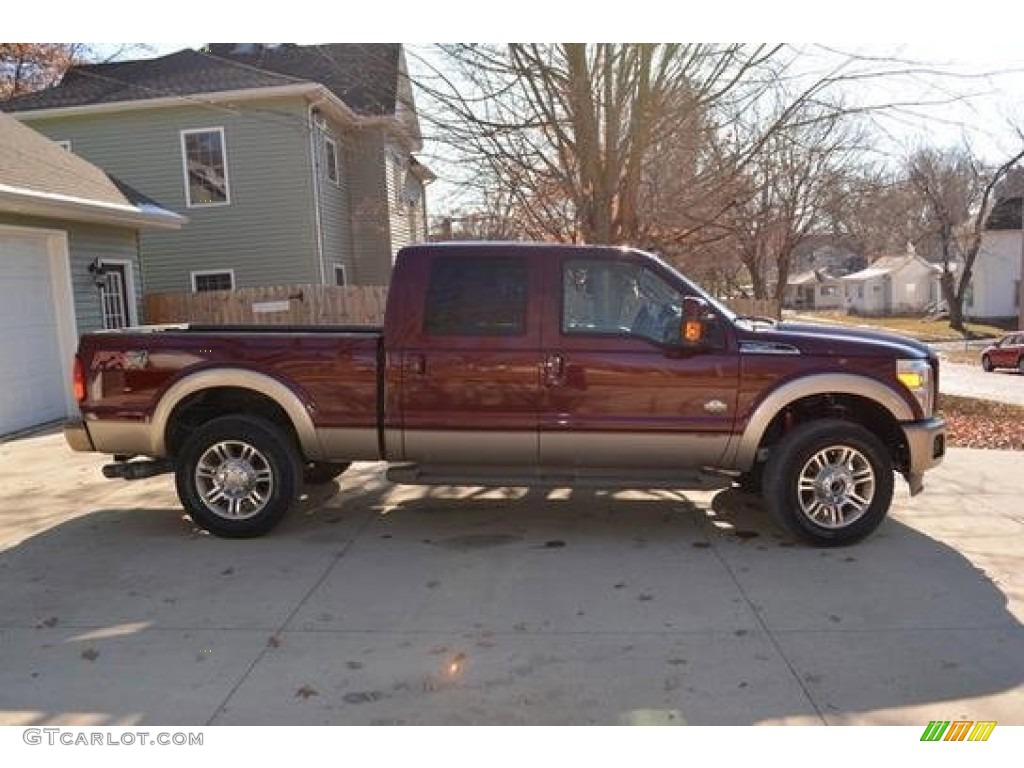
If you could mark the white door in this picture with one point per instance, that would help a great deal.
(32, 385)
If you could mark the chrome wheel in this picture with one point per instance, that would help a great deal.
(234, 480)
(836, 486)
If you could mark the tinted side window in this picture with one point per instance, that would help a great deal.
(476, 297)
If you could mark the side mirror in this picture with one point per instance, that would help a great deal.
(692, 330)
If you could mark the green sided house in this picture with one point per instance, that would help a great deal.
(69, 263)
(293, 164)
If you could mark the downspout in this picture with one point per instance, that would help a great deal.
(317, 214)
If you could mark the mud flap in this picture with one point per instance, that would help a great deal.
(915, 482)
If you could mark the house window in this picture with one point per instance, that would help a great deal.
(398, 175)
(339, 275)
(828, 290)
(205, 166)
(213, 280)
(64, 144)
(476, 297)
(331, 158)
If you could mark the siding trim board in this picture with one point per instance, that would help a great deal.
(30, 202)
(214, 97)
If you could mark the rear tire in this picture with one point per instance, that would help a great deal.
(986, 363)
(320, 472)
(1020, 365)
(829, 482)
(237, 476)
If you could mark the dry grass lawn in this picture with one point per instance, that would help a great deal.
(915, 327)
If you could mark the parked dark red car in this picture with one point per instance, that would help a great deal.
(1008, 352)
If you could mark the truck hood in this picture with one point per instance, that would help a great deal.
(814, 339)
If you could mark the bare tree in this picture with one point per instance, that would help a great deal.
(570, 129)
(957, 192)
(28, 67)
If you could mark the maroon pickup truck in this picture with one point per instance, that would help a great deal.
(521, 364)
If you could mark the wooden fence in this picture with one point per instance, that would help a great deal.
(272, 305)
(311, 305)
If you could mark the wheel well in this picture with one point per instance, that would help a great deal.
(873, 416)
(208, 404)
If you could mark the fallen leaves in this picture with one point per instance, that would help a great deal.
(973, 423)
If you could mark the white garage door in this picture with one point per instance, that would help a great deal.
(32, 385)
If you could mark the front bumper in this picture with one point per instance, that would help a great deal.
(77, 436)
(926, 445)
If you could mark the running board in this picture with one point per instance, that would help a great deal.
(553, 477)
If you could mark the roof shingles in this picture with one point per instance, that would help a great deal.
(29, 161)
(364, 76)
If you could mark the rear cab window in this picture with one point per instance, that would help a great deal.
(477, 297)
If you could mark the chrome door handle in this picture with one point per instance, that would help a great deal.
(416, 364)
(554, 368)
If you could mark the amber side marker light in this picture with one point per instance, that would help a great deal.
(912, 379)
(78, 380)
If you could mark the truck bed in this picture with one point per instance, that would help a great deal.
(333, 371)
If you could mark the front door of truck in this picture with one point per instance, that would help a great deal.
(619, 391)
(470, 383)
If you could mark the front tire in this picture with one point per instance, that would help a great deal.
(829, 482)
(986, 364)
(237, 476)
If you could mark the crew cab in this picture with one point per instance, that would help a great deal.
(525, 364)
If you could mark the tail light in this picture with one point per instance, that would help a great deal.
(78, 380)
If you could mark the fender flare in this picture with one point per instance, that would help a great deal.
(745, 450)
(239, 378)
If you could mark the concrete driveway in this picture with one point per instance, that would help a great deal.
(383, 604)
(1003, 386)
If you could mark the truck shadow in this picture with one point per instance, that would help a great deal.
(671, 605)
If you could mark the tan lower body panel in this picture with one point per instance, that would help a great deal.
(629, 449)
(469, 447)
(576, 449)
(130, 437)
(349, 444)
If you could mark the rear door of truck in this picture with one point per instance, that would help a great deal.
(467, 357)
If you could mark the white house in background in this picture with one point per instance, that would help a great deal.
(994, 290)
(813, 289)
(902, 284)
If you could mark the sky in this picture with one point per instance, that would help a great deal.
(972, 42)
